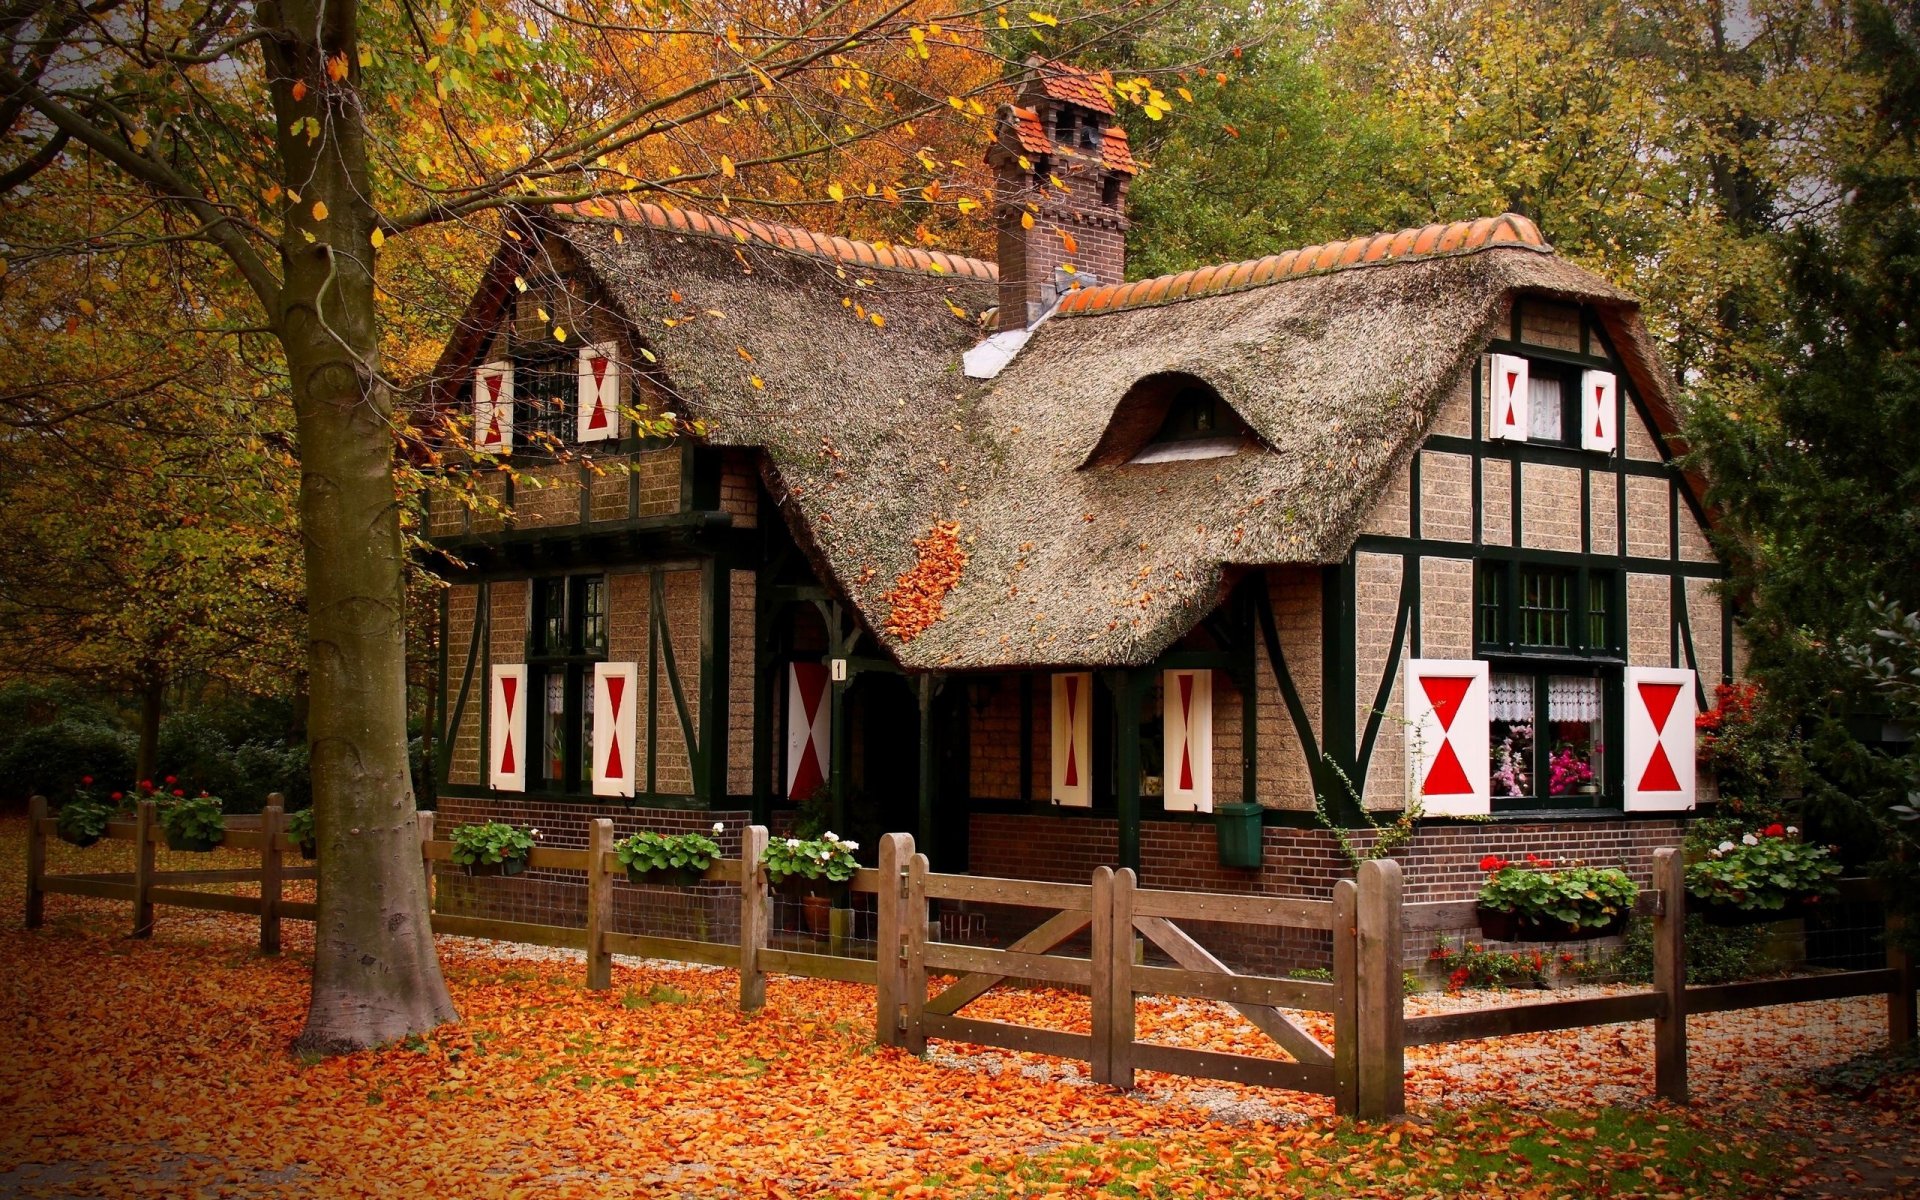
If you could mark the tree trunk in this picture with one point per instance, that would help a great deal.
(152, 704)
(376, 976)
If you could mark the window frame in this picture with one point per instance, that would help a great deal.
(572, 661)
(535, 421)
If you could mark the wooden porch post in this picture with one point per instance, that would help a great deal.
(599, 904)
(890, 981)
(914, 970)
(753, 917)
(272, 828)
(1382, 1051)
(1346, 1000)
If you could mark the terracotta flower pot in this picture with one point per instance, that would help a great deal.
(1497, 926)
(506, 866)
(800, 886)
(816, 913)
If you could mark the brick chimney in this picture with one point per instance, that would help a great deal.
(1059, 158)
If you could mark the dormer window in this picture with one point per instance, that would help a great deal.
(1171, 417)
(1110, 191)
(1064, 122)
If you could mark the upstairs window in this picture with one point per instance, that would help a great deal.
(546, 393)
(1538, 609)
(1197, 424)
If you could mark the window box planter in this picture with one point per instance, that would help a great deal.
(679, 877)
(194, 843)
(506, 866)
(1497, 926)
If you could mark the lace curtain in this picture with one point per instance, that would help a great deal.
(1569, 698)
(1512, 698)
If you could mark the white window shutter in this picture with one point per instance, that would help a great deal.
(1660, 733)
(1186, 765)
(615, 748)
(809, 720)
(1447, 736)
(507, 728)
(1072, 738)
(493, 407)
(1598, 390)
(1507, 385)
(599, 415)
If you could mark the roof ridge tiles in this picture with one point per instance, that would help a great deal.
(794, 239)
(1425, 241)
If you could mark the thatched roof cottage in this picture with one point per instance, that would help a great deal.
(1054, 569)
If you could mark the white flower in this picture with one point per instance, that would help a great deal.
(1724, 847)
(822, 855)
(851, 845)
(719, 826)
(832, 836)
(1749, 839)
(793, 843)
(536, 832)
(1791, 830)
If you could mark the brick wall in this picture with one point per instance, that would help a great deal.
(658, 479)
(1446, 496)
(1446, 607)
(607, 496)
(672, 760)
(1549, 507)
(1605, 531)
(1545, 323)
(1455, 418)
(1694, 546)
(1376, 608)
(707, 912)
(1638, 438)
(463, 764)
(1443, 863)
(1649, 621)
(993, 738)
(547, 496)
(740, 488)
(1648, 517)
(1496, 503)
(742, 662)
(490, 507)
(1390, 513)
(1283, 773)
(1703, 621)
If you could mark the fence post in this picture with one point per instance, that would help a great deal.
(914, 973)
(1100, 964)
(1670, 976)
(1382, 1090)
(1120, 943)
(425, 820)
(144, 827)
(753, 917)
(272, 821)
(890, 983)
(36, 861)
(599, 904)
(1346, 1000)
(1900, 997)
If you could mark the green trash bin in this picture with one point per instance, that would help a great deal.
(1238, 826)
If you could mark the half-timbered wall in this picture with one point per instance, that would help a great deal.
(1463, 498)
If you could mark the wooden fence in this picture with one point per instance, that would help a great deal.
(1363, 1069)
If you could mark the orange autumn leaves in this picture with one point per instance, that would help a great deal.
(917, 598)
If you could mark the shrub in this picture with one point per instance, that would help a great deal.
(1471, 965)
(1576, 895)
(1715, 954)
(491, 842)
(49, 760)
(300, 829)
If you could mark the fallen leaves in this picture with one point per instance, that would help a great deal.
(916, 601)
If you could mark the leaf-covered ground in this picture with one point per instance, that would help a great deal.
(160, 1068)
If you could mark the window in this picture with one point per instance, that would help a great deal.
(1110, 191)
(569, 635)
(1559, 760)
(546, 392)
(1544, 408)
(1529, 608)
(1197, 424)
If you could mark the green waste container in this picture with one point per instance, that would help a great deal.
(1238, 826)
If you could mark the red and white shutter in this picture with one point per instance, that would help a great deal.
(507, 729)
(1072, 739)
(615, 727)
(808, 728)
(493, 407)
(1505, 379)
(1597, 410)
(599, 415)
(1447, 736)
(1186, 724)
(1660, 762)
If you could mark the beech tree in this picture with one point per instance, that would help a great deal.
(298, 138)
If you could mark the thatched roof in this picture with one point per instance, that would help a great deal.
(873, 436)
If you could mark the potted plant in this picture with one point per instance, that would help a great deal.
(1768, 876)
(1540, 903)
(194, 823)
(492, 848)
(83, 819)
(818, 870)
(300, 829)
(668, 859)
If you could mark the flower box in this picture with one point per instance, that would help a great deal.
(192, 843)
(506, 866)
(1498, 926)
(665, 876)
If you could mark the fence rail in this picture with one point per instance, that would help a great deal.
(1363, 1069)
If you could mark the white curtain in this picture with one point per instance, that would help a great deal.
(1511, 698)
(1573, 698)
(1543, 408)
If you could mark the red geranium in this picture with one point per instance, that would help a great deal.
(171, 779)
(1775, 830)
(1493, 862)
(87, 780)
(117, 796)
(179, 792)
